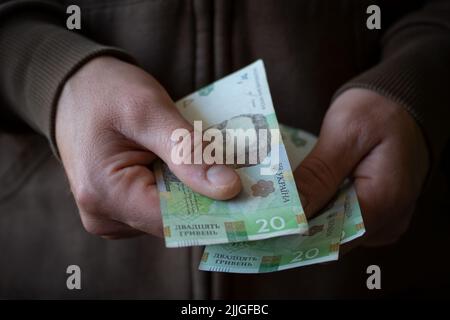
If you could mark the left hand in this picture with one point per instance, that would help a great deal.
(376, 142)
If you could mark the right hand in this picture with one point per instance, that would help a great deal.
(113, 120)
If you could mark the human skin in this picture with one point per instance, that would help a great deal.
(378, 144)
(113, 120)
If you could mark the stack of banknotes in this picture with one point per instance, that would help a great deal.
(264, 228)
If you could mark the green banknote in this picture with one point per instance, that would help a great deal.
(298, 144)
(353, 222)
(268, 205)
(321, 244)
(339, 223)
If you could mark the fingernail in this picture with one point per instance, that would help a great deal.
(221, 175)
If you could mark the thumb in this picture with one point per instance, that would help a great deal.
(215, 181)
(322, 172)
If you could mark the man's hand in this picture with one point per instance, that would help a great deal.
(113, 120)
(376, 142)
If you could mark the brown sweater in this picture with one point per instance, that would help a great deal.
(312, 49)
(185, 44)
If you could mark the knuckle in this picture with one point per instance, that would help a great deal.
(360, 134)
(316, 172)
(101, 227)
(356, 126)
(94, 227)
(136, 108)
(399, 200)
(87, 198)
(147, 114)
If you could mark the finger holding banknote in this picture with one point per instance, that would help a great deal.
(113, 120)
(376, 142)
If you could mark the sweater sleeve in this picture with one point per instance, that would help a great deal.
(37, 55)
(414, 70)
